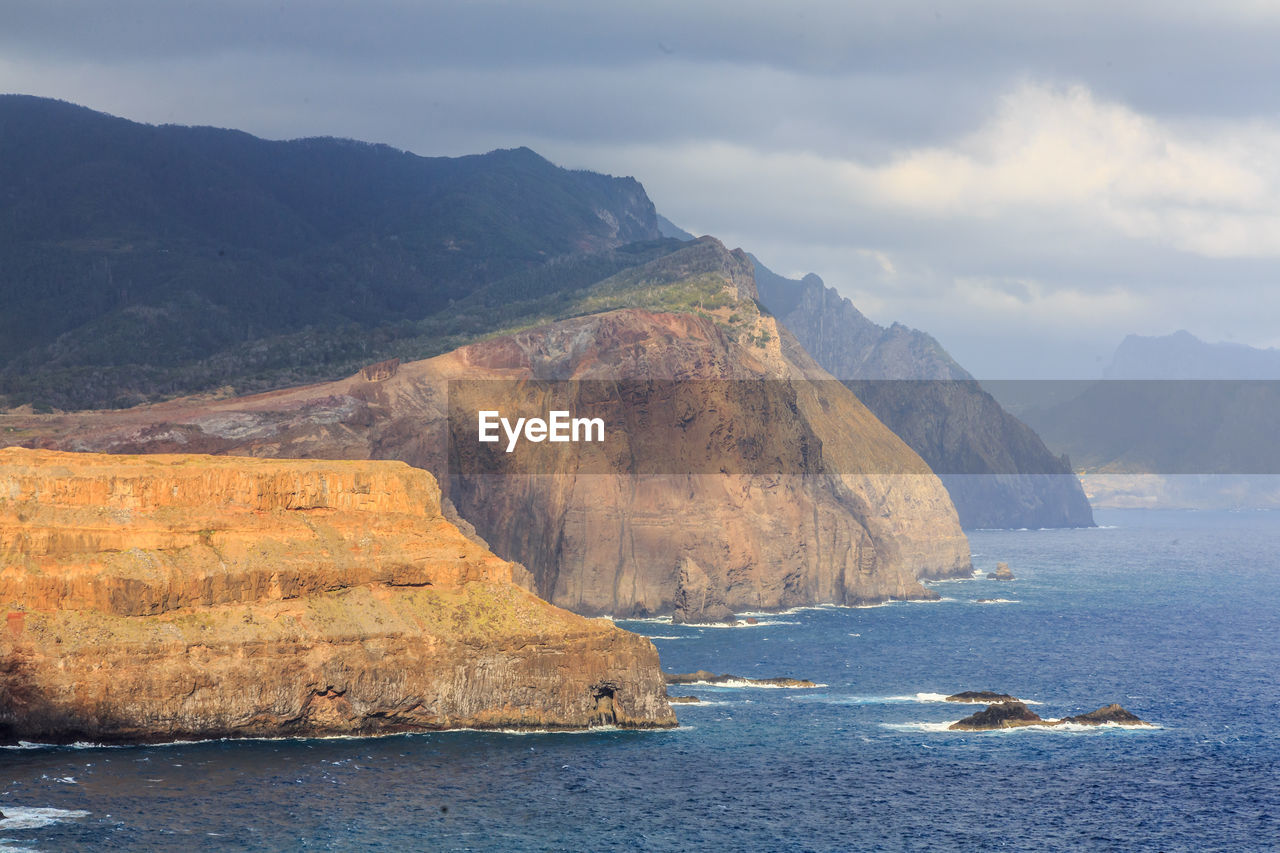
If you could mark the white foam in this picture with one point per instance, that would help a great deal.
(1064, 728)
(999, 601)
(660, 637)
(591, 731)
(22, 817)
(762, 623)
(791, 611)
(931, 697)
(914, 698)
(916, 727)
(739, 683)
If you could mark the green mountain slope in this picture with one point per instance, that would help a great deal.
(141, 261)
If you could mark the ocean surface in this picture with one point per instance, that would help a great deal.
(1175, 615)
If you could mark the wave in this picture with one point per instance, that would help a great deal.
(762, 623)
(23, 817)
(998, 601)
(790, 611)
(655, 620)
(977, 575)
(913, 698)
(738, 683)
(595, 730)
(304, 738)
(1065, 728)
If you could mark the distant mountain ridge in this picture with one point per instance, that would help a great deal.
(1177, 422)
(997, 470)
(1182, 355)
(135, 252)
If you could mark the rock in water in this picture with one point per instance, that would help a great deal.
(984, 697)
(1012, 714)
(181, 597)
(1002, 573)
(1002, 715)
(683, 700)
(699, 599)
(1112, 713)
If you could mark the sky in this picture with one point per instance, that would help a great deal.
(1029, 182)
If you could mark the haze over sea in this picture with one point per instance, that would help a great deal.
(1175, 615)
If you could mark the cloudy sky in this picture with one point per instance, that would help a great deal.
(1028, 182)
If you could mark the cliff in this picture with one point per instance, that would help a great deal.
(181, 596)
(996, 469)
(841, 510)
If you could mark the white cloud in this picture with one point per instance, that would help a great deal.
(1064, 153)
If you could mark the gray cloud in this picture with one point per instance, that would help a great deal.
(1006, 176)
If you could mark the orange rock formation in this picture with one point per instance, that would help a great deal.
(167, 597)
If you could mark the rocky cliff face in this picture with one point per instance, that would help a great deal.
(167, 597)
(846, 514)
(996, 469)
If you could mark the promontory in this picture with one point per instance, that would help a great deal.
(164, 597)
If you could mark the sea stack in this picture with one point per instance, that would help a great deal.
(1002, 573)
(176, 597)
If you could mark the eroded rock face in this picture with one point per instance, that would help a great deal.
(169, 597)
(699, 599)
(862, 521)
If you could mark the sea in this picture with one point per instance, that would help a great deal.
(1173, 614)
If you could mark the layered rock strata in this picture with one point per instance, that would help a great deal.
(172, 597)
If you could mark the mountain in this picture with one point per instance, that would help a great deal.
(178, 597)
(1178, 422)
(739, 452)
(1182, 355)
(142, 261)
(669, 229)
(996, 469)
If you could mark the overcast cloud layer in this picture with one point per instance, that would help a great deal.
(1029, 185)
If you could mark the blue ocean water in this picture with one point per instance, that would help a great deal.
(1175, 615)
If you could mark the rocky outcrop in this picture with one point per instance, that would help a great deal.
(169, 597)
(1002, 573)
(699, 599)
(789, 491)
(703, 676)
(1002, 715)
(981, 697)
(996, 469)
(1111, 714)
(381, 371)
(1014, 714)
